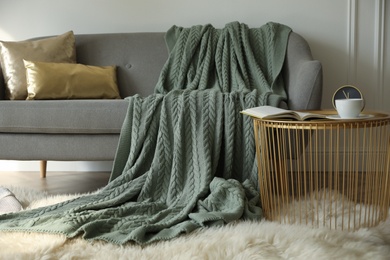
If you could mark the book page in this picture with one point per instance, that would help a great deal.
(304, 115)
(269, 112)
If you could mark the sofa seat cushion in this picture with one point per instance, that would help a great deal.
(63, 116)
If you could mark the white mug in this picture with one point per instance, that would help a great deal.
(350, 107)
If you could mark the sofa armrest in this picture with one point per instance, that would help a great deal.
(2, 85)
(303, 75)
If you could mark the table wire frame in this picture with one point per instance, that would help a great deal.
(324, 173)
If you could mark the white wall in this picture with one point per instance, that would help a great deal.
(349, 37)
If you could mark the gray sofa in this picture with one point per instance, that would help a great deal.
(88, 130)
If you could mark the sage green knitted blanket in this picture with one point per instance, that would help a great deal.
(186, 156)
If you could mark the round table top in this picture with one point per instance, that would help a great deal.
(332, 119)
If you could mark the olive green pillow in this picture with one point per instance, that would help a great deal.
(54, 49)
(46, 80)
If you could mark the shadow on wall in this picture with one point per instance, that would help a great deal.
(4, 36)
(334, 73)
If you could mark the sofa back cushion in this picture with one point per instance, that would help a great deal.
(139, 58)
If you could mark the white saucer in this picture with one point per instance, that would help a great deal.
(337, 117)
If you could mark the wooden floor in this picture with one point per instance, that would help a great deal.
(56, 182)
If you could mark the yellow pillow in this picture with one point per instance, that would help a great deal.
(47, 80)
(54, 49)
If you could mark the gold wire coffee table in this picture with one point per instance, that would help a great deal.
(326, 172)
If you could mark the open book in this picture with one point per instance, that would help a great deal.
(269, 112)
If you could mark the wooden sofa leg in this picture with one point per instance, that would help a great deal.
(43, 169)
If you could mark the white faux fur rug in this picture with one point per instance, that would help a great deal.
(242, 240)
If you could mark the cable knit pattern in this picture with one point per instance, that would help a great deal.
(186, 156)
